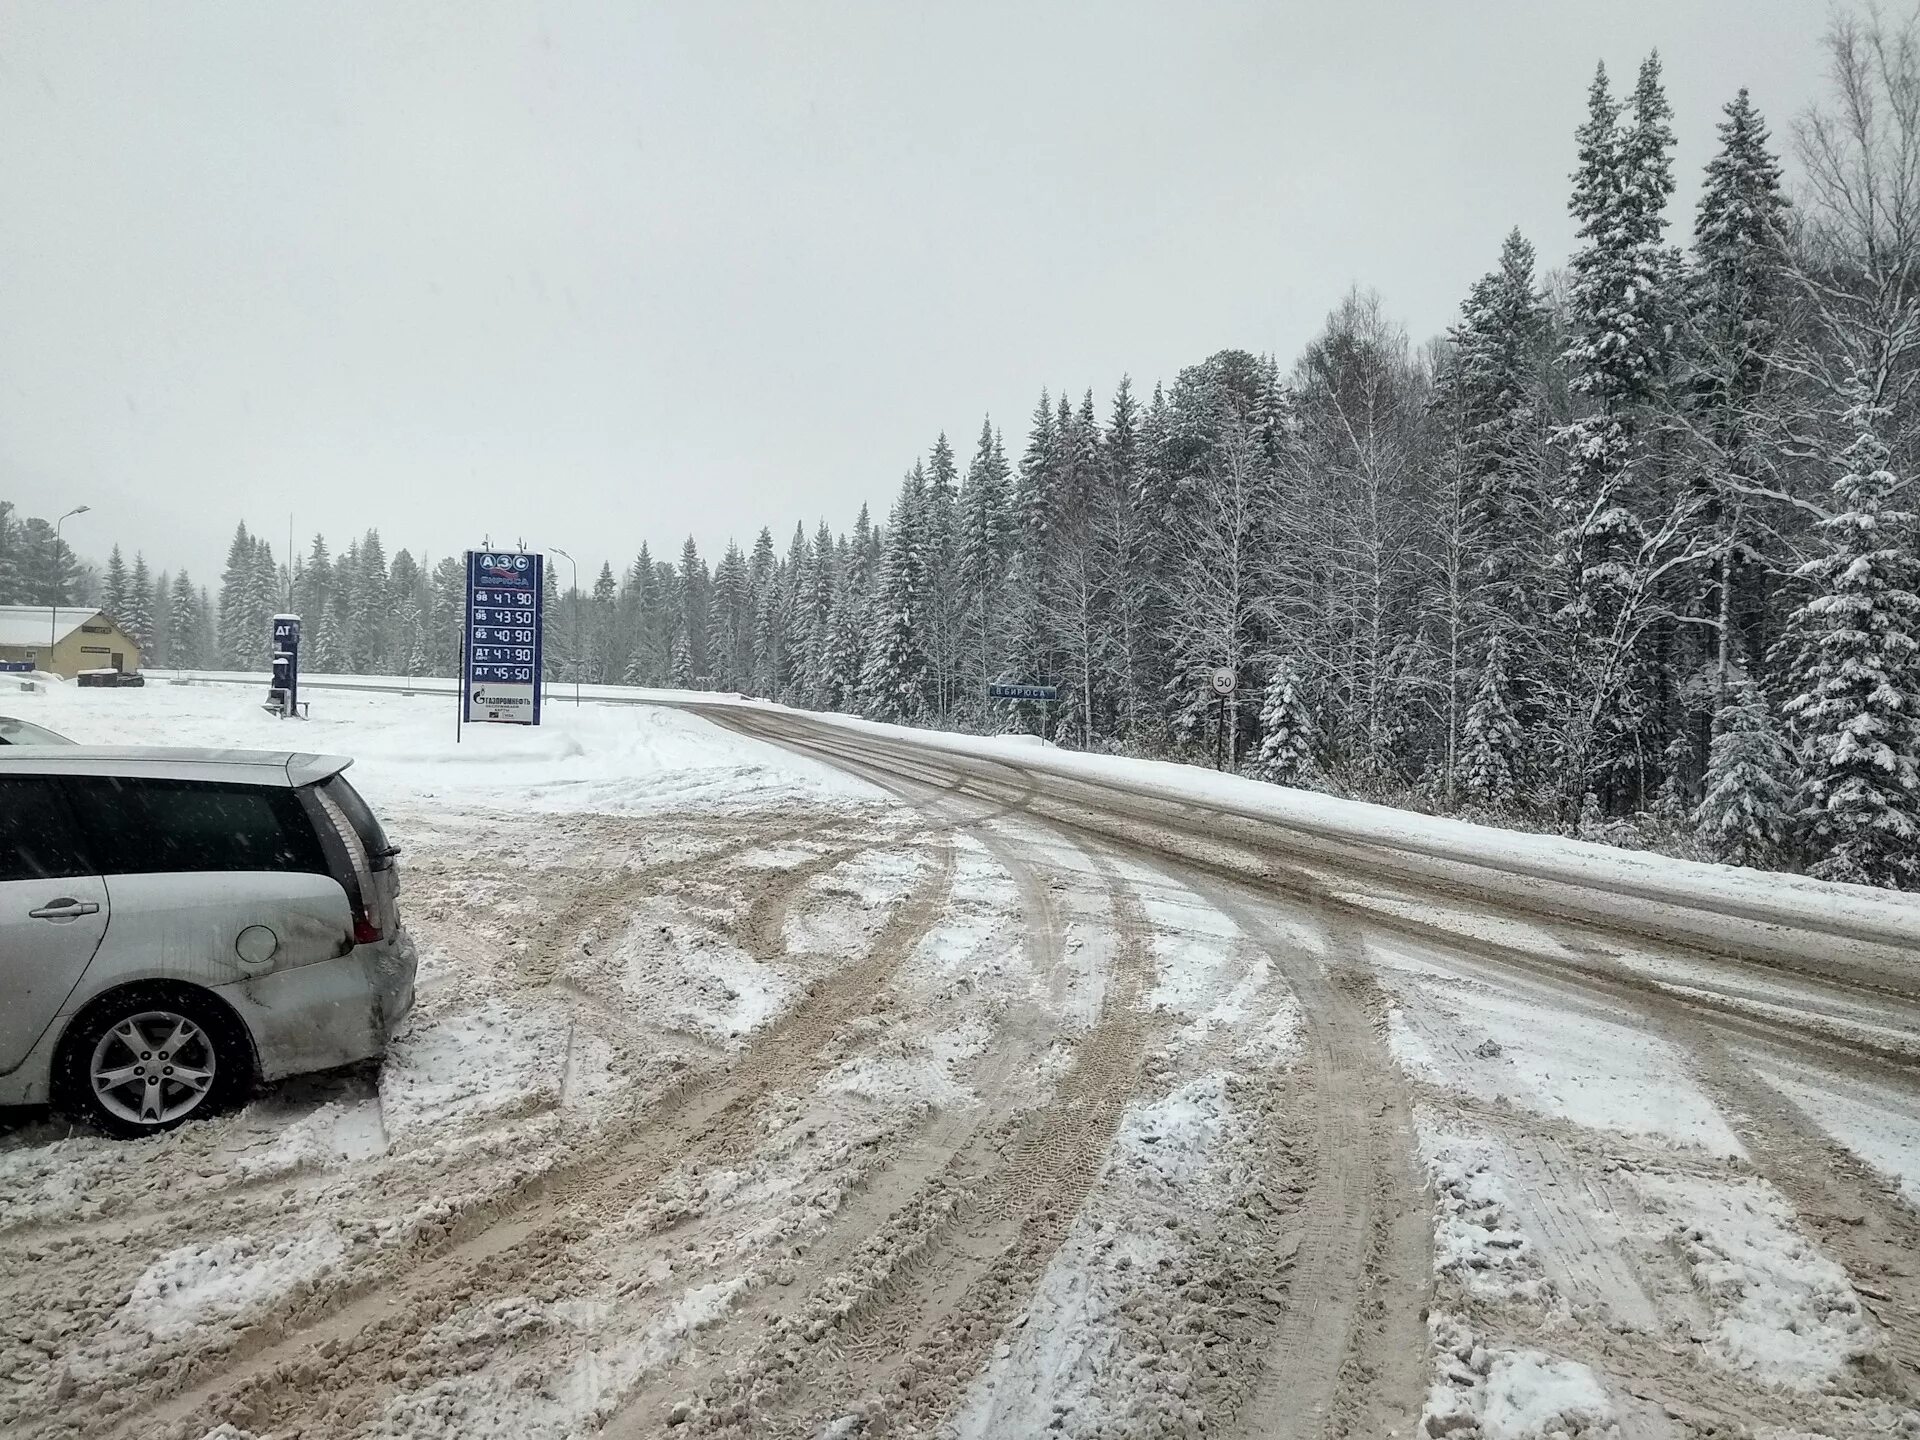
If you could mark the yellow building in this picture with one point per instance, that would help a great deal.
(82, 640)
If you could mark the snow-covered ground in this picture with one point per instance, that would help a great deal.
(751, 1095)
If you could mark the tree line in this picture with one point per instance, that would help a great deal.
(1629, 552)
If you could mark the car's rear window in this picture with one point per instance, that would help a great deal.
(147, 827)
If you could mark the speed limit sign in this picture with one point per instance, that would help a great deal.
(1223, 680)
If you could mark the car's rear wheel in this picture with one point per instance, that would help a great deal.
(151, 1057)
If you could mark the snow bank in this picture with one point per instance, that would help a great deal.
(598, 758)
(1607, 882)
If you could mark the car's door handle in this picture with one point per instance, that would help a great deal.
(66, 908)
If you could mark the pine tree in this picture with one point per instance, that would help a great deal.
(10, 579)
(696, 598)
(330, 644)
(1621, 306)
(159, 652)
(189, 626)
(1734, 314)
(369, 641)
(895, 681)
(236, 605)
(115, 599)
(1286, 728)
(1745, 816)
(316, 583)
(1855, 679)
(137, 621)
(1491, 744)
(731, 621)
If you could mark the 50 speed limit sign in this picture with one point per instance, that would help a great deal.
(1223, 681)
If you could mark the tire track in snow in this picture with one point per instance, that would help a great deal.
(1001, 1074)
(331, 1361)
(910, 1321)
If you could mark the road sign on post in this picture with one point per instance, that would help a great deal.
(1225, 681)
(501, 675)
(285, 694)
(1023, 692)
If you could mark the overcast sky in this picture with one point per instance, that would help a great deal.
(591, 274)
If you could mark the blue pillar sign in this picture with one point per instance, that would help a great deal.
(286, 664)
(502, 680)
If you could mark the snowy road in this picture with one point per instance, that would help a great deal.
(774, 1077)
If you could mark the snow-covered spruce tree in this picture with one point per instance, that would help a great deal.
(1733, 321)
(894, 682)
(986, 552)
(1491, 745)
(370, 638)
(235, 606)
(330, 645)
(1854, 682)
(945, 640)
(185, 624)
(1745, 816)
(730, 622)
(137, 620)
(1286, 728)
(113, 598)
(1617, 356)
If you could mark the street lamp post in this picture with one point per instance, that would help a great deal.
(53, 610)
(576, 620)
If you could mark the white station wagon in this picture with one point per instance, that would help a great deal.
(177, 924)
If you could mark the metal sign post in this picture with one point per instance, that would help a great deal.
(1225, 681)
(502, 638)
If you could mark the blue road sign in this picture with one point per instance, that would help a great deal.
(503, 625)
(16, 667)
(1023, 692)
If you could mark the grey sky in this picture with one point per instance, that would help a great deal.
(598, 273)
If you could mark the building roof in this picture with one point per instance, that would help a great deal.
(27, 624)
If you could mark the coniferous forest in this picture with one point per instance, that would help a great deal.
(1629, 552)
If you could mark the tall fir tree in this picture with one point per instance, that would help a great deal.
(1854, 704)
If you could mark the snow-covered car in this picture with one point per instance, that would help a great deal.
(178, 924)
(20, 732)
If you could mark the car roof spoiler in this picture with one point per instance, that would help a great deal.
(311, 769)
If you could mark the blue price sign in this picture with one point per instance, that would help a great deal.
(504, 598)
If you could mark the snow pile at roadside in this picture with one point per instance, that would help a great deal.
(1615, 881)
(1497, 1394)
(1781, 1310)
(606, 759)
